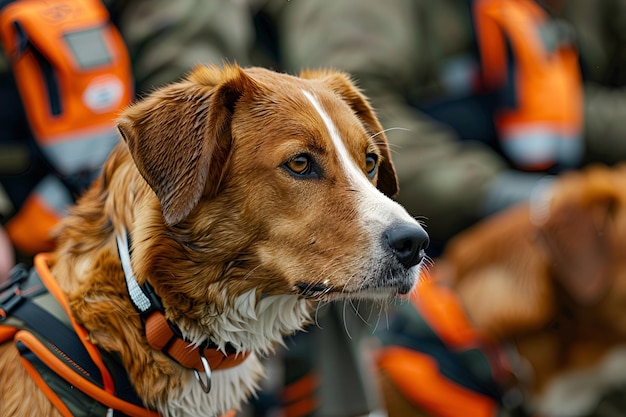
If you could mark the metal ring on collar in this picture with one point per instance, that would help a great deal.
(206, 384)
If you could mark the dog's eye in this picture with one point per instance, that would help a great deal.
(301, 166)
(371, 164)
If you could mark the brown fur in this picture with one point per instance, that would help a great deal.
(555, 286)
(198, 183)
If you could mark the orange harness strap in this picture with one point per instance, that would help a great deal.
(41, 265)
(105, 396)
(54, 349)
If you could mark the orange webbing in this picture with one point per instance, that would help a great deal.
(7, 332)
(187, 356)
(158, 332)
(417, 376)
(299, 398)
(56, 365)
(31, 342)
(29, 230)
(442, 311)
(303, 407)
(42, 261)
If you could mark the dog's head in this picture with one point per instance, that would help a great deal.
(584, 236)
(266, 184)
(518, 271)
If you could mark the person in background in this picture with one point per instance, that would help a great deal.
(452, 81)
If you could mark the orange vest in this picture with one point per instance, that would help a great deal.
(522, 49)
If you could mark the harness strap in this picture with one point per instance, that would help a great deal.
(61, 359)
(61, 338)
(41, 266)
(26, 342)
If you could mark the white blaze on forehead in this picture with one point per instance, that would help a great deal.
(373, 202)
(352, 171)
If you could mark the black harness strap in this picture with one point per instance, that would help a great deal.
(66, 343)
(17, 299)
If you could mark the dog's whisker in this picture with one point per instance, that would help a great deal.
(380, 311)
(357, 312)
(318, 306)
(345, 322)
(388, 130)
(250, 272)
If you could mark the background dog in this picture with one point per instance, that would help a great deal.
(542, 292)
(239, 197)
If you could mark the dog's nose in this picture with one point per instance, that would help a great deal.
(407, 242)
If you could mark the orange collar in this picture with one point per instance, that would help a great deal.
(165, 336)
(162, 337)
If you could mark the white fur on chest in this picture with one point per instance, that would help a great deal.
(230, 389)
(250, 325)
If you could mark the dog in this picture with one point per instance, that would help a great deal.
(540, 291)
(241, 197)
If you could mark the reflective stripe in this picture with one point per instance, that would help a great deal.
(81, 151)
(54, 195)
(538, 145)
(139, 299)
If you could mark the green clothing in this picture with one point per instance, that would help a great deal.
(395, 49)
(166, 39)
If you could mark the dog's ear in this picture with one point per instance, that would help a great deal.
(578, 233)
(342, 85)
(180, 136)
